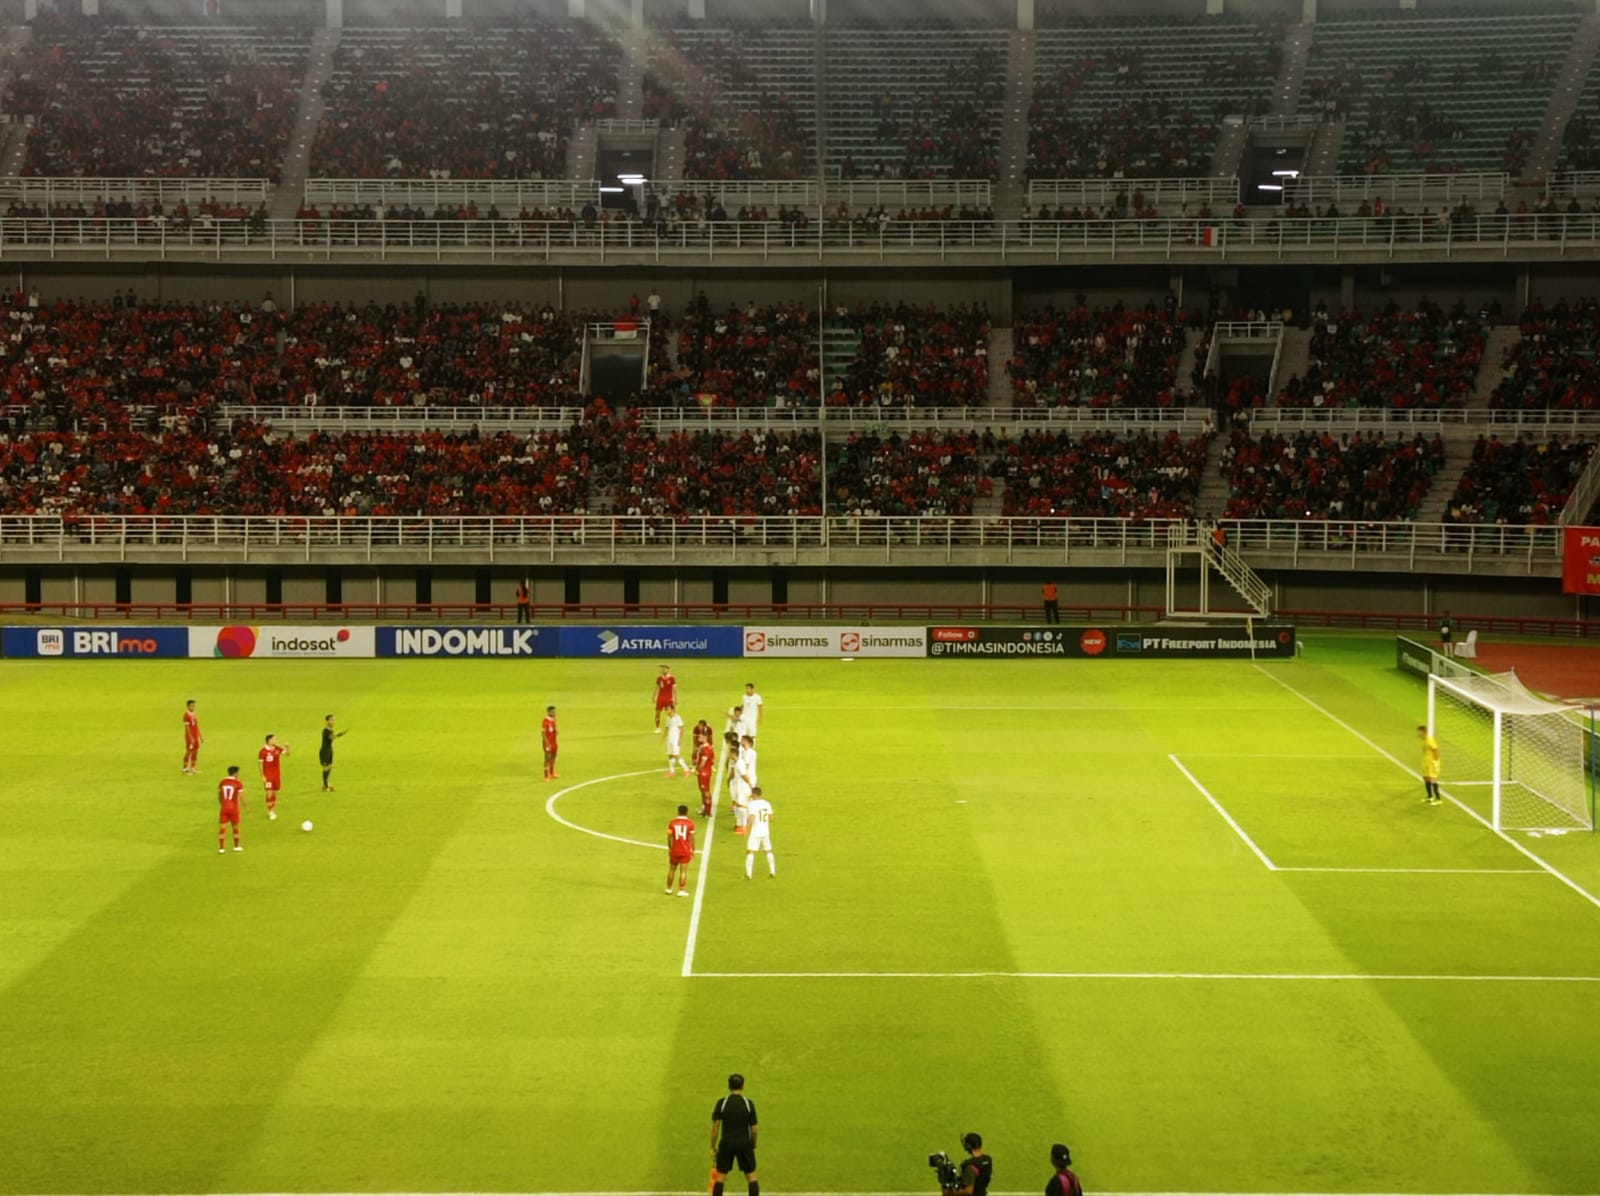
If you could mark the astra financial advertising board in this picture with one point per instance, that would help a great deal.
(1141, 642)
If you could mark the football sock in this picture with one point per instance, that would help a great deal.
(716, 1188)
(749, 863)
(772, 865)
(755, 1188)
(325, 773)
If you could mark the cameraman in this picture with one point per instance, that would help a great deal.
(976, 1171)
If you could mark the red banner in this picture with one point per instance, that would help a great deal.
(1580, 560)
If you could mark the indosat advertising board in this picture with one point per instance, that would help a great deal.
(239, 642)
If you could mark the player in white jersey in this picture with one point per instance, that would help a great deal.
(673, 724)
(759, 837)
(744, 783)
(750, 711)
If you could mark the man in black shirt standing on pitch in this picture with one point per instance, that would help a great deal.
(976, 1171)
(733, 1137)
(325, 753)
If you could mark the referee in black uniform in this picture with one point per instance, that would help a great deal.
(325, 752)
(733, 1137)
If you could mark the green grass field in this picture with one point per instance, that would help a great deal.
(1009, 900)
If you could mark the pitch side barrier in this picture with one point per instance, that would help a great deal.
(1420, 660)
(949, 642)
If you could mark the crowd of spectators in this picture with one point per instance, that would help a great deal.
(1426, 357)
(950, 130)
(1523, 481)
(1130, 475)
(463, 104)
(741, 357)
(1105, 357)
(915, 356)
(1556, 361)
(1320, 475)
(108, 99)
(745, 475)
(920, 473)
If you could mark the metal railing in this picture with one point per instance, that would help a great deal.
(511, 196)
(1409, 420)
(856, 194)
(1395, 188)
(619, 126)
(1322, 544)
(48, 191)
(301, 418)
(1163, 193)
(1033, 241)
(1573, 183)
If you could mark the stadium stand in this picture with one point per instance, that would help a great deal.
(741, 357)
(1554, 363)
(915, 356)
(1114, 357)
(1437, 93)
(746, 99)
(1131, 475)
(1522, 481)
(914, 103)
(1323, 475)
(920, 473)
(1393, 358)
(109, 99)
(463, 104)
(1143, 99)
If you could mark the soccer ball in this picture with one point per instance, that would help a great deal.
(306, 825)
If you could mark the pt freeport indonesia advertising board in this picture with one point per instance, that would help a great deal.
(1117, 643)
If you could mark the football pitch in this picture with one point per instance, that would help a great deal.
(1190, 918)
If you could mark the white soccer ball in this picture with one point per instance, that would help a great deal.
(306, 825)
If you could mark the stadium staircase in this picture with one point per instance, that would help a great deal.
(1186, 360)
(291, 188)
(1001, 346)
(1327, 143)
(630, 78)
(840, 343)
(1212, 500)
(1231, 567)
(1011, 190)
(671, 151)
(14, 143)
(1458, 443)
(1293, 359)
(1491, 366)
(1569, 88)
(1296, 49)
(583, 152)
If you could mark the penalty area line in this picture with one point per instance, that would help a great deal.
(1226, 817)
(1326, 977)
(550, 809)
(1544, 864)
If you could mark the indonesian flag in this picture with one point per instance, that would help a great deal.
(1211, 236)
(625, 329)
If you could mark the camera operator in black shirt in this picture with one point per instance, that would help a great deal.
(976, 1170)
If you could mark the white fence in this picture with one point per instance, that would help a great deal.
(1031, 241)
(48, 191)
(1320, 190)
(812, 195)
(511, 196)
(1529, 551)
(1165, 194)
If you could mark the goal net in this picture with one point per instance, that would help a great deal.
(1536, 757)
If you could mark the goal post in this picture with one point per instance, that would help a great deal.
(1537, 758)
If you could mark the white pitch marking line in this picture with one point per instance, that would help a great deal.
(1226, 817)
(1229, 976)
(1470, 813)
(1426, 871)
(705, 864)
(992, 1191)
(550, 809)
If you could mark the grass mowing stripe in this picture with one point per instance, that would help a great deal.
(1226, 817)
(1537, 859)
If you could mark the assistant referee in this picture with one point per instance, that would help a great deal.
(733, 1137)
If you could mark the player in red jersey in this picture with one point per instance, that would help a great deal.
(230, 797)
(705, 761)
(680, 850)
(191, 738)
(703, 734)
(271, 777)
(666, 692)
(547, 737)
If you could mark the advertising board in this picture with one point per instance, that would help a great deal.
(766, 642)
(238, 642)
(72, 643)
(1114, 642)
(467, 641)
(1580, 560)
(651, 641)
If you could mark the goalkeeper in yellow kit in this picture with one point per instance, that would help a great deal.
(1430, 766)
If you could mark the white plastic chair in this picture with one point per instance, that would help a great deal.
(1468, 648)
